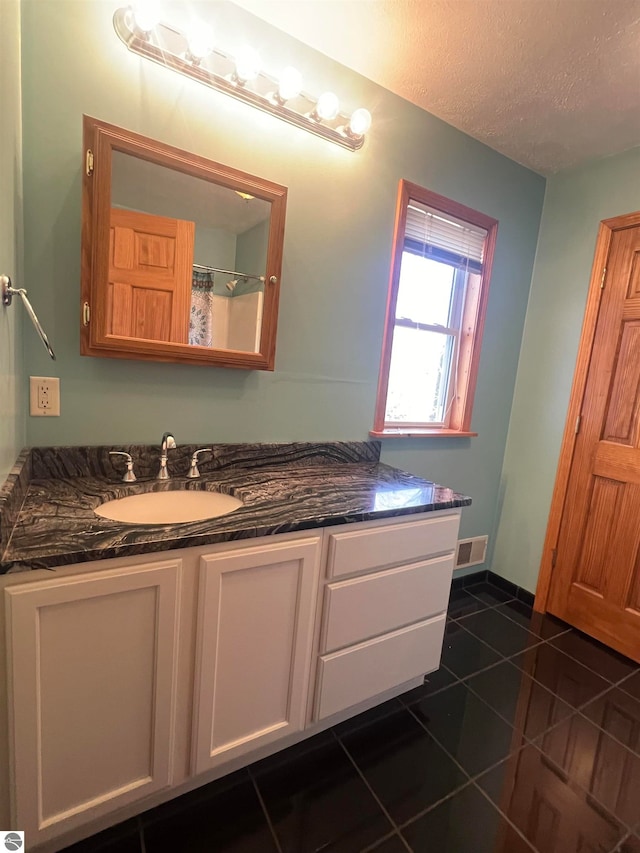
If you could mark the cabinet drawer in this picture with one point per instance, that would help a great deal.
(359, 551)
(361, 672)
(367, 606)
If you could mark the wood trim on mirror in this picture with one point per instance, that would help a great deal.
(102, 140)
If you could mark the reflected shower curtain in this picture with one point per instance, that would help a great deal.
(201, 318)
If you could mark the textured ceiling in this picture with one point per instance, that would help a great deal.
(548, 83)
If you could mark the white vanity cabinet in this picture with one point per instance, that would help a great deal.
(92, 662)
(134, 679)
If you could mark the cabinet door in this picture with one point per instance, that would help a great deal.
(255, 633)
(91, 671)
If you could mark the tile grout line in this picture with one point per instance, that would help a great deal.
(466, 773)
(419, 815)
(514, 621)
(510, 658)
(370, 789)
(496, 607)
(527, 739)
(371, 848)
(504, 817)
(489, 666)
(471, 781)
(607, 809)
(548, 639)
(265, 811)
(532, 742)
(617, 740)
(619, 844)
(539, 642)
(489, 606)
(627, 678)
(590, 668)
(527, 743)
(475, 776)
(456, 680)
(484, 702)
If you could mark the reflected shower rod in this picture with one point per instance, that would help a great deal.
(228, 272)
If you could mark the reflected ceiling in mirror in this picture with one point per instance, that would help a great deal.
(181, 256)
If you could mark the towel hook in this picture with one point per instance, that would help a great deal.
(8, 293)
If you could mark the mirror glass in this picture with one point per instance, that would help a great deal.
(181, 255)
(183, 233)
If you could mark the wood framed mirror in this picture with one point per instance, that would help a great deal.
(181, 256)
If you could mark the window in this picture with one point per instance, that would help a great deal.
(435, 315)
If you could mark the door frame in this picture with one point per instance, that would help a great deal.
(583, 360)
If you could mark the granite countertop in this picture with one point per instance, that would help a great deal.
(47, 504)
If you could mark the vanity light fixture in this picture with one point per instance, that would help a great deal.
(326, 108)
(247, 66)
(145, 15)
(289, 85)
(193, 54)
(199, 43)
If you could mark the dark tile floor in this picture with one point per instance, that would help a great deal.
(526, 739)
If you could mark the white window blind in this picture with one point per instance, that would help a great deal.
(430, 232)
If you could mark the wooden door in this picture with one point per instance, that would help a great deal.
(595, 584)
(255, 633)
(150, 277)
(91, 697)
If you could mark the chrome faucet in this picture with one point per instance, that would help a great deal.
(168, 442)
(194, 471)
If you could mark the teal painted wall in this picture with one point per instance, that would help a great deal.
(337, 249)
(576, 200)
(12, 414)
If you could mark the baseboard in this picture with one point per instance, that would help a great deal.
(485, 576)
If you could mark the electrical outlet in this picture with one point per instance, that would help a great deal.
(44, 396)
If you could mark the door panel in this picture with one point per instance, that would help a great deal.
(595, 584)
(632, 597)
(622, 418)
(596, 537)
(150, 277)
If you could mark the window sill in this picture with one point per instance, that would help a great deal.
(399, 432)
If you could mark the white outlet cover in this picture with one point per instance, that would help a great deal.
(51, 385)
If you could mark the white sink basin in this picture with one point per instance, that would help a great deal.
(168, 507)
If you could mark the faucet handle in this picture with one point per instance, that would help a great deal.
(193, 469)
(128, 476)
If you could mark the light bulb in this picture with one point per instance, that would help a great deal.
(200, 41)
(146, 15)
(327, 106)
(360, 122)
(247, 65)
(290, 83)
